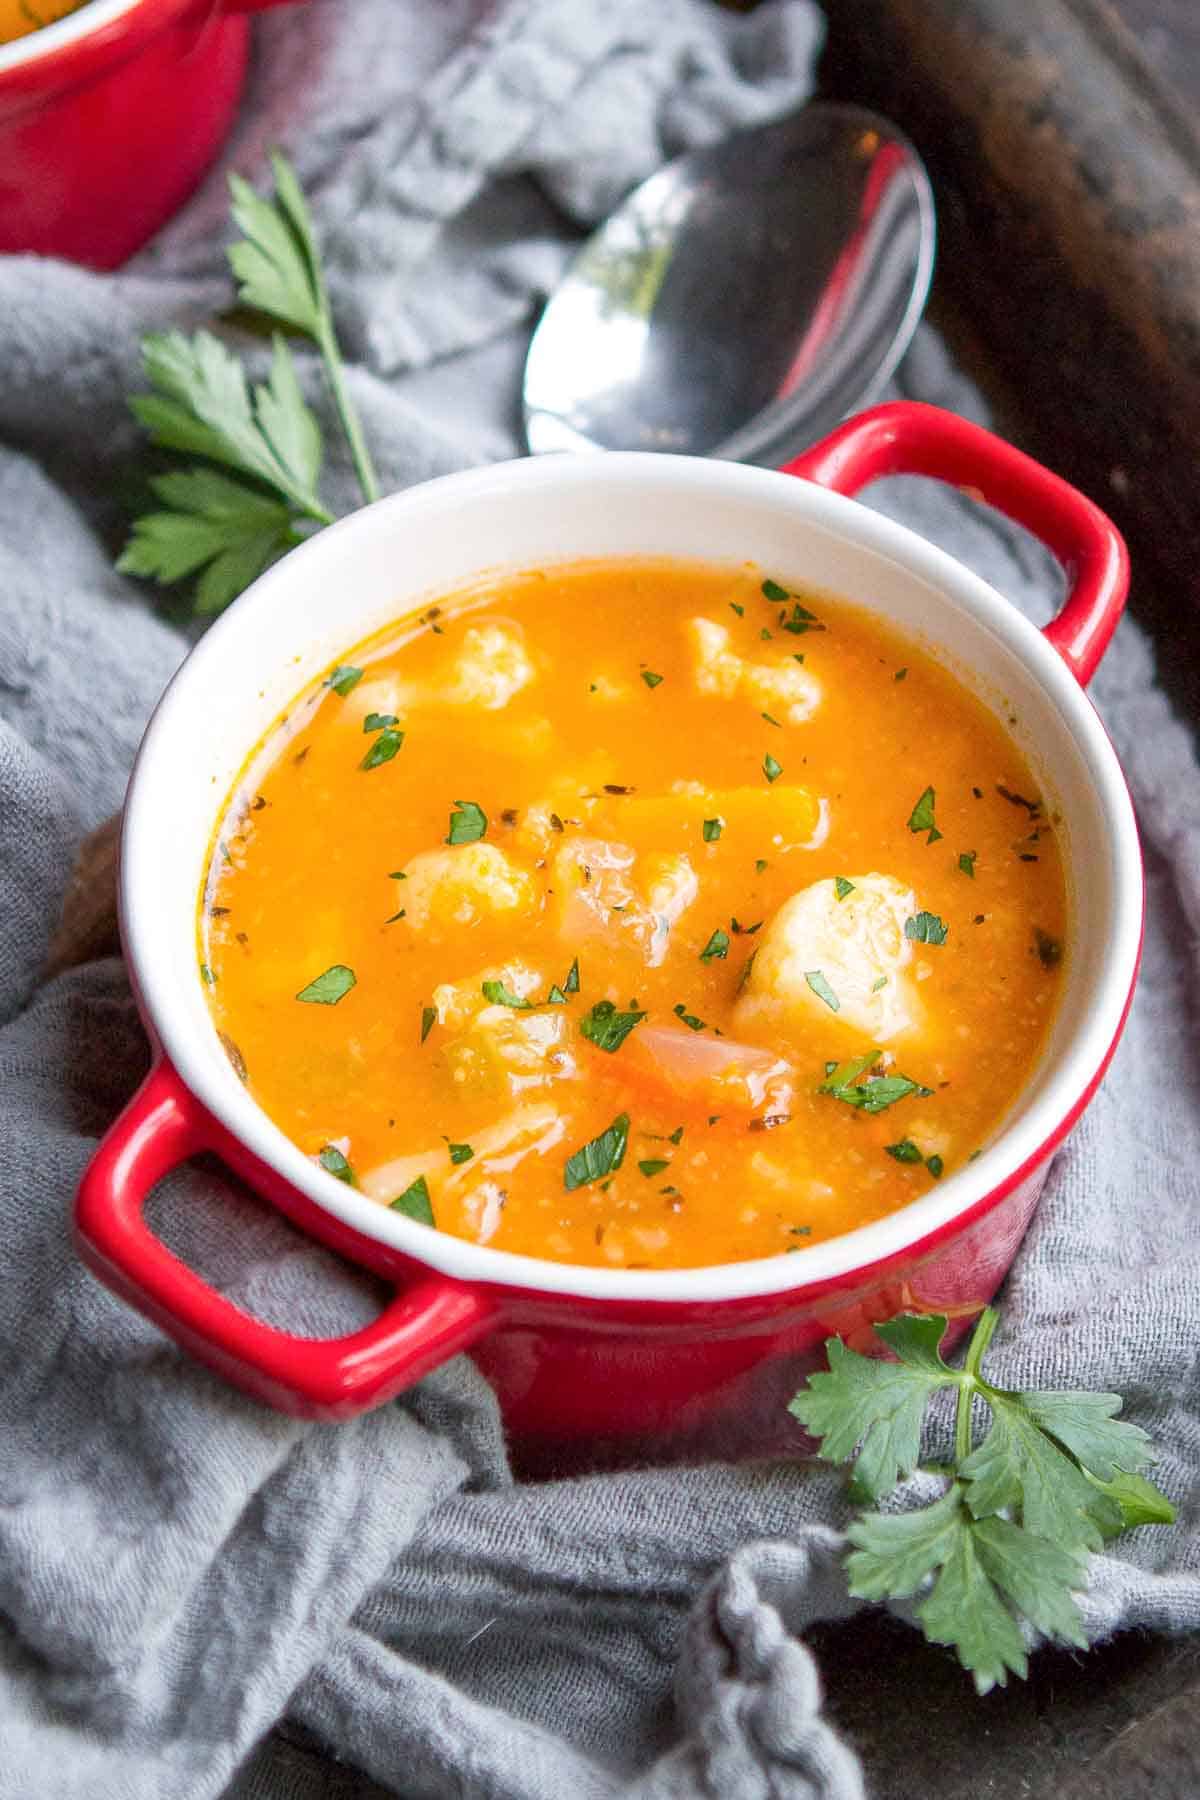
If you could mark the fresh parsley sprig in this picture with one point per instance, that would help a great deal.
(1053, 1476)
(226, 529)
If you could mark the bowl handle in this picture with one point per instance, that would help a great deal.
(907, 438)
(321, 1378)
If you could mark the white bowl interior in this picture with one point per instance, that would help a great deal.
(355, 577)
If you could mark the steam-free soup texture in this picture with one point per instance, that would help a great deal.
(19, 17)
(637, 914)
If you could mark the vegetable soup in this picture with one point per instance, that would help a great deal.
(642, 914)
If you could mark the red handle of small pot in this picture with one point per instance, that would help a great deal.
(905, 438)
(322, 1378)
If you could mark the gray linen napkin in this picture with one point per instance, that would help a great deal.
(179, 1568)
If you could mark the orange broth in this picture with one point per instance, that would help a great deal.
(637, 800)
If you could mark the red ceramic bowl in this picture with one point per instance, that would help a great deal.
(598, 1351)
(109, 118)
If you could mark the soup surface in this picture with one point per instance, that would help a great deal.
(640, 914)
(19, 17)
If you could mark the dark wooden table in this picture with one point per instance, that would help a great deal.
(1061, 142)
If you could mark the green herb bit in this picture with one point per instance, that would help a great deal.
(676, 1136)
(773, 591)
(334, 1163)
(842, 887)
(935, 1165)
(921, 818)
(428, 1015)
(880, 982)
(1052, 1477)
(760, 864)
(496, 994)
(395, 916)
(771, 769)
(650, 678)
(712, 829)
(926, 928)
(799, 619)
(207, 976)
(739, 610)
(459, 1153)
(571, 984)
(607, 1028)
(843, 1082)
(690, 1019)
(900, 675)
(966, 862)
(654, 1165)
(344, 678)
(379, 721)
(905, 1151)
(414, 1202)
(822, 989)
(602, 1156)
(383, 749)
(740, 930)
(1049, 949)
(717, 945)
(468, 823)
(556, 997)
(771, 721)
(330, 987)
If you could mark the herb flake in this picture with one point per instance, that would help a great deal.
(602, 1156)
(468, 823)
(330, 987)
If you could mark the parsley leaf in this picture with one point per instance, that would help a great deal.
(842, 887)
(468, 823)
(213, 523)
(712, 829)
(379, 721)
(905, 1151)
(650, 678)
(334, 1163)
(607, 1028)
(414, 1202)
(571, 984)
(344, 679)
(602, 1156)
(843, 1082)
(556, 997)
(771, 769)
(926, 928)
(654, 1165)
(459, 1153)
(496, 994)
(822, 989)
(428, 1015)
(717, 945)
(383, 749)
(690, 1019)
(330, 987)
(966, 862)
(1054, 1474)
(773, 591)
(921, 818)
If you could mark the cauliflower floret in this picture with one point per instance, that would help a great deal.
(609, 889)
(510, 1049)
(529, 1131)
(852, 949)
(785, 689)
(462, 884)
(492, 666)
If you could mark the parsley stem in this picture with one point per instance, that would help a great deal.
(981, 1337)
(327, 343)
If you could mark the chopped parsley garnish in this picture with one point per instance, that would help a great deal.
(459, 1153)
(926, 928)
(654, 1165)
(842, 887)
(740, 930)
(1032, 807)
(744, 977)
(771, 721)
(921, 818)
(428, 1015)
(378, 721)
(717, 945)
(330, 987)
(602, 1156)
(344, 678)
(1049, 949)
(556, 997)
(881, 982)
(414, 1202)
(468, 823)
(905, 1151)
(571, 984)
(334, 1163)
(935, 1165)
(676, 1136)
(900, 674)
(773, 591)
(843, 1082)
(966, 862)
(496, 994)
(607, 1028)
(650, 678)
(760, 865)
(822, 989)
(396, 915)
(207, 976)
(799, 619)
(739, 610)
(383, 749)
(689, 1019)
(771, 769)
(712, 829)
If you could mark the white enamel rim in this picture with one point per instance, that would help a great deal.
(177, 1018)
(91, 17)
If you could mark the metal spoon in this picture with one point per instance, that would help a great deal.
(744, 299)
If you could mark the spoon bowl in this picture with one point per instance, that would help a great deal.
(744, 299)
